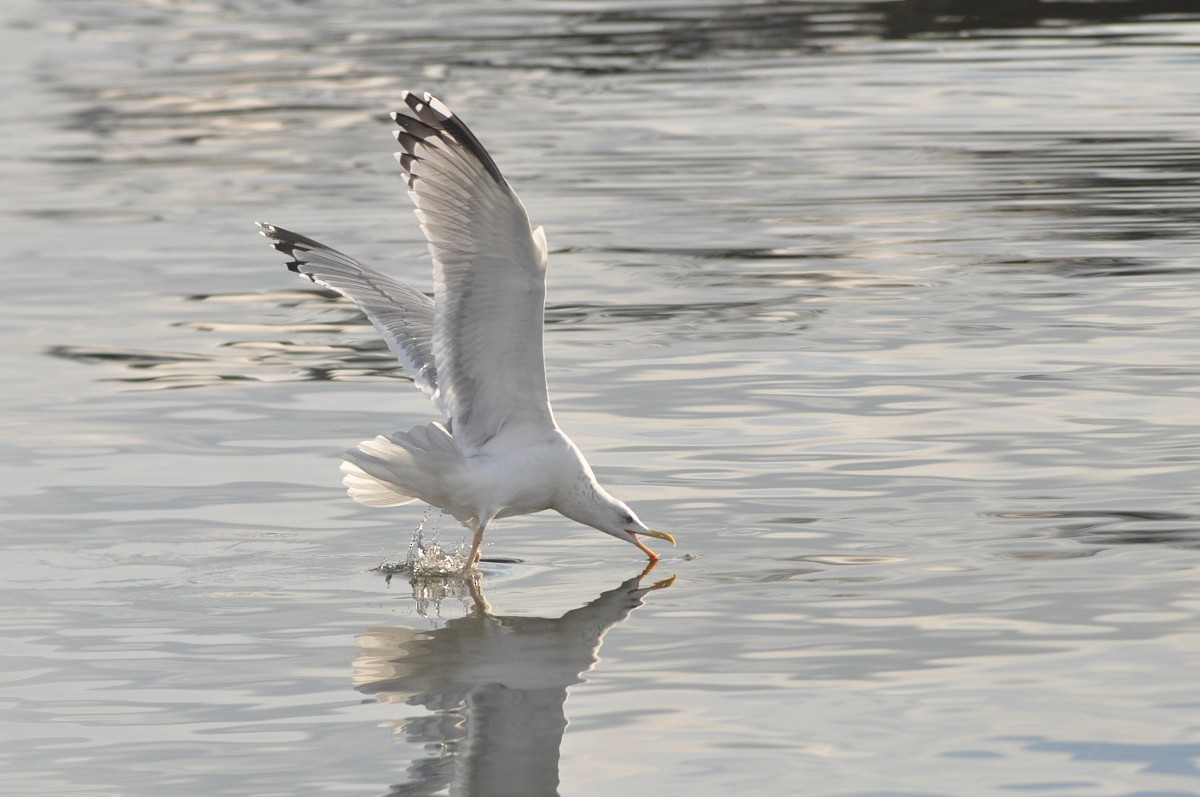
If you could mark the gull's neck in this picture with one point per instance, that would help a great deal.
(584, 500)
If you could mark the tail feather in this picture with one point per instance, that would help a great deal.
(393, 470)
(370, 491)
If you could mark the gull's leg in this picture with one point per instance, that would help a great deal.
(474, 557)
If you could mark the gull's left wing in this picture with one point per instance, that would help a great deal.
(402, 315)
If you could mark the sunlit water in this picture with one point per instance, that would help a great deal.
(888, 310)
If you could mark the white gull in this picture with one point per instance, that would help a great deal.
(475, 349)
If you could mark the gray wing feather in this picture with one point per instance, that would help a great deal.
(401, 314)
(489, 277)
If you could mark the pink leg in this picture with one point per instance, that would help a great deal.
(475, 555)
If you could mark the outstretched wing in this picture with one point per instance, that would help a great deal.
(489, 277)
(403, 315)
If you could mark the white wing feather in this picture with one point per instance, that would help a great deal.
(489, 278)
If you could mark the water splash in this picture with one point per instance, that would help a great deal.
(435, 571)
(427, 557)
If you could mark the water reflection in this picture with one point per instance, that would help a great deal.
(1165, 759)
(360, 50)
(496, 687)
(1107, 527)
(893, 301)
(330, 340)
(922, 18)
(658, 34)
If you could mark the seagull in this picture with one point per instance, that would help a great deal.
(475, 348)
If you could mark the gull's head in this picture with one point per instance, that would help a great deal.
(583, 500)
(614, 517)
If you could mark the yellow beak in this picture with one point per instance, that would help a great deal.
(662, 535)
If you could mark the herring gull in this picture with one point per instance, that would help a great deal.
(475, 349)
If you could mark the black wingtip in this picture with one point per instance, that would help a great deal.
(287, 243)
(407, 140)
(430, 117)
(407, 160)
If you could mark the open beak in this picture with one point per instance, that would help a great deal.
(662, 535)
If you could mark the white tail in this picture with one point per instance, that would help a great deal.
(393, 470)
(369, 491)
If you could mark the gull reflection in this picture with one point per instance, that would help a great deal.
(497, 688)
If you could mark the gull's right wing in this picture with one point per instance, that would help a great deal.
(489, 275)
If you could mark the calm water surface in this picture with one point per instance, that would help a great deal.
(889, 310)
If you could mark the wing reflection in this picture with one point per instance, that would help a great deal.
(497, 688)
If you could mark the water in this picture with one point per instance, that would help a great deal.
(887, 310)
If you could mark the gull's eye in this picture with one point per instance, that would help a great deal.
(628, 519)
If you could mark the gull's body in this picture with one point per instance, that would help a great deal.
(475, 349)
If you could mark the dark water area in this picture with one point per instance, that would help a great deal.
(888, 310)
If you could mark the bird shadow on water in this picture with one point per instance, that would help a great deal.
(495, 687)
